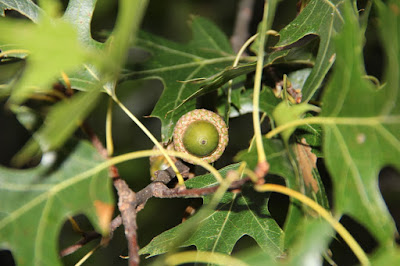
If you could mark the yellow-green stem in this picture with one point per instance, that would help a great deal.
(153, 139)
(109, 139)
(347, 237)
(202, 257)
(257, 88)
(87, 256)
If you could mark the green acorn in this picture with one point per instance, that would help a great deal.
(201, 133)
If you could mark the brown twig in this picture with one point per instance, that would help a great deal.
(128, 214)
(90, 236)
(125, 197)
(129, 202)
(242, 22)
(86, 238)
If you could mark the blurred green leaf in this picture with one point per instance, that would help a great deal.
(26, 7)
(57, 46)
(9, 70)
(312, 241)
(36, 202)
(63, 119)
(318, 18)
(388, 256)
(176, 64)
(356, 151)
(238, 214)
(50, 56)
(52, 46)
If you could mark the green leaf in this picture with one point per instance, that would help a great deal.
(277, 157)
(36, 202)
(313, 136)
(218, 80)
(238, 214)
(364, 135)
(175, 64)
(288, 166)
(285, 113)
(242, 100)
(79, 14)
(321, 18)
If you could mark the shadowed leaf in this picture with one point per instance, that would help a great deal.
(36, 202)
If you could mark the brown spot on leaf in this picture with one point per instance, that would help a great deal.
(307, 161)
(332, 58)
(395, 8)
(104, 211)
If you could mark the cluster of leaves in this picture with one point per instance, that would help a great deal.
(356, 132)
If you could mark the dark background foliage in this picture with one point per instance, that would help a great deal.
(169, 19)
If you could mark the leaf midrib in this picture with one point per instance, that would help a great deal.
(224, 223)
(202, 62)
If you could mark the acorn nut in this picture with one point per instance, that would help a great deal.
(201, 133)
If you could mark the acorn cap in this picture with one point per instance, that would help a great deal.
(201, 133)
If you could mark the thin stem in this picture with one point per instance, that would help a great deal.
(257, 87)
(235, 63)
(90, 253)
(340, 229)
(109, 139)
(202, 257)
(365, 121)
(243, 48)
(153, 139)
(146, 153)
